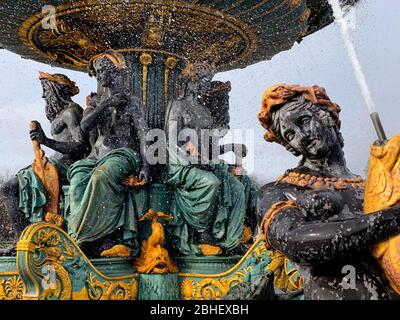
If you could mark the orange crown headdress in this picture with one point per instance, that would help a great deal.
(192, 70)
(115, 57)
(277, 96)
(60, 79)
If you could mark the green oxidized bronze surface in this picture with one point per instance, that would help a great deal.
(231, 34)
(44, 249)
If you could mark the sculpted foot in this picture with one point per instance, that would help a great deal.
(119, 250)
(54, 218)
(209, 250)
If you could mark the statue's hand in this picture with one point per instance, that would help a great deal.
(38, 134)
(144, 174)
(379, 143)
(92, 100)
(117, 99)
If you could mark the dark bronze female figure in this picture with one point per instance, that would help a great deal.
(314, 212)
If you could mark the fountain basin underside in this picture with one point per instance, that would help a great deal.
(231, 34)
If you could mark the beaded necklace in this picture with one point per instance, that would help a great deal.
(304, 180)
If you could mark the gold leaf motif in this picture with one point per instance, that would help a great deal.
(188, 289)
(117, 290)
(11, 289)
(73, 44)
(216, 289)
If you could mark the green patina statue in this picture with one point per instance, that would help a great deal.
(100, 204)
(25, 194)
(210, 202)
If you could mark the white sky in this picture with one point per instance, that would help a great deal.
(320, 59)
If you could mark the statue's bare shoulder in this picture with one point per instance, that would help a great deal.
(72, 113)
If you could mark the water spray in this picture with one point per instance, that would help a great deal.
(358, 71)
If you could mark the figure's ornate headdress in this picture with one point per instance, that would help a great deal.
(277, 96)
(60, 79)
(115, 57)
(192, 70)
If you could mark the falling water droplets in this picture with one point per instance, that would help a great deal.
(358, 71)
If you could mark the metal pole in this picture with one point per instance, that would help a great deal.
(378, 127)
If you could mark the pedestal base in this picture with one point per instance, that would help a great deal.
(159, 287)
(206, 265)
(51, 266)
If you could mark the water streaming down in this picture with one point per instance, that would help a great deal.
(358, 71)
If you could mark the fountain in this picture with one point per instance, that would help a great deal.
(158, 39)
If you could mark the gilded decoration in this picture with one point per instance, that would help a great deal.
(45, 248)
(285, 279)
(118, 290)
(73, 44)
(11, 288)
(321, 183)
(52, 267)
(188, 289)
(382, 192)
(216, 287)
(154, 258)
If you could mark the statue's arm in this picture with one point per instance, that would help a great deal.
(268, 195)
(93, 118)
(305, 241)
(78, 144)
(94, 132)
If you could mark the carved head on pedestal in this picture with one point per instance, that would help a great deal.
(58, 91)
(109, 68)
(217, 101)
(302, 119)
(196, 78)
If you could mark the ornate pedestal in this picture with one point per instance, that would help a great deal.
(50, 266)
(159, 287)
(206, 265)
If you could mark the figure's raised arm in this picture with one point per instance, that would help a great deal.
(93, 118)
(301, 240)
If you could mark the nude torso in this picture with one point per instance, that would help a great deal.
(188, 116)
(115, 130)
(61, 132)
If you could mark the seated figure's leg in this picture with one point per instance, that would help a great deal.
(97, 196)
(196, 193)
(251, 190)
(10, 191)
(236, 214)
(196, 196)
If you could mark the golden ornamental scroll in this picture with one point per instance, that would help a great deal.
(48, 175)
(382, 191)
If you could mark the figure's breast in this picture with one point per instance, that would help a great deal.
(57, 126)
